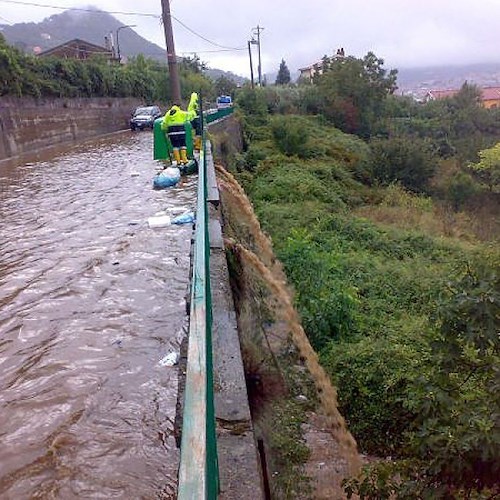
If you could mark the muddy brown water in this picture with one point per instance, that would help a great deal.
(91, 300)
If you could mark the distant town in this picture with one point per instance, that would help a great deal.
(418, 82)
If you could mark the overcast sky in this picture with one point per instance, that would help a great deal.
(405, 33)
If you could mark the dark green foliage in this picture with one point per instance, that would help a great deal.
(459, 401)
(224, 86)
(327, 304)
(252, 101)
(291, 135)
(414, 356)
(353, 92)
(455, 439)
(400, 159)
(292, 182)
(460, 189)
(24, 75)
(458, 125)
(283, 74)
(374, 375)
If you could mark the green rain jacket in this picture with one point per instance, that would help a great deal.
(176, 116)
(193, 104)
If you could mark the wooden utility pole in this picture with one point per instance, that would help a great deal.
(251, 64)
(175, 86)
(258, 29)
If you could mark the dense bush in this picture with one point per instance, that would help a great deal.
(291, 135)
(399, 159)
(327, 303)
(414, 354)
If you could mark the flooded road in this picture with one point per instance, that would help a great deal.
(91, 299)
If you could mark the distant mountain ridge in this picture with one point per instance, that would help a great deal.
(92, 26)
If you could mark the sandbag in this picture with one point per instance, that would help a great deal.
(167, 178)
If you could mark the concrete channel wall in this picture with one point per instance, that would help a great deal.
(28, 124)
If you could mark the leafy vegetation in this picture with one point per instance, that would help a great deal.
(397, 288)
(26, 75)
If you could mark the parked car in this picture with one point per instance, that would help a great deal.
(144, 117)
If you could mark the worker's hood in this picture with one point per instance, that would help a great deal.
(173, 110)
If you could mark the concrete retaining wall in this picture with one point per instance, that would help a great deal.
(29, 124)
(227, 138)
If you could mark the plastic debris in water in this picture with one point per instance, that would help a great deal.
(159, 221)
(185, 218)
(167, 178)
(171, 359)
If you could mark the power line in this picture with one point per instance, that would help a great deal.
(204, 38)
(208, 51)
(6, 20)
(142, 14)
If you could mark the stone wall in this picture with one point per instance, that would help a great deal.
(29, 124)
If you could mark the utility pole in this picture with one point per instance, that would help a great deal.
(251, 64)
(257, 31)
(118, 42)
(175, 86)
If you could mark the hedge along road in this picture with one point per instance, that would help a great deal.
(91, 302)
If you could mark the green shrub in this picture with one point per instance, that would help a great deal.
(408, 161)
(460, 189)
(373, 377)
(326, 302)
(252, 101)
(291, 135)
(291, 182)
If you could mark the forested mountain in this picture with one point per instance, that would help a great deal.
(92, 26)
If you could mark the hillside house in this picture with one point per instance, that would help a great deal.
(309, 72)
(490, 96)
(77, 49)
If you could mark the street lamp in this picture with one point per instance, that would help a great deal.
(117, 42)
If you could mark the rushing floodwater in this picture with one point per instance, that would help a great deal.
(91, 299)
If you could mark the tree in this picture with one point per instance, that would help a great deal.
(488, 168)
(354, 92)
(283, 74)
(224, 86)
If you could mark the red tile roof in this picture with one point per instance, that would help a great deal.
(491, 93)
(487, 93)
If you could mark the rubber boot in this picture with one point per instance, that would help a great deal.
(197, 142)
(184, 158)
(177, 156)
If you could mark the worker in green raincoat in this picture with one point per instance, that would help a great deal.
(173, 124)
(194, 106)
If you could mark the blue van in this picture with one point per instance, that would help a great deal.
(224, 101)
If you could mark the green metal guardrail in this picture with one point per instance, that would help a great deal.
(212, 115)
(161, 144)
(198, 471)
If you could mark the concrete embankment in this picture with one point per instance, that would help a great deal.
(28, 124)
